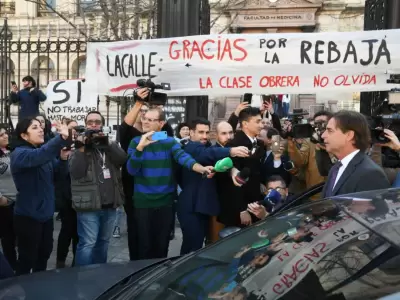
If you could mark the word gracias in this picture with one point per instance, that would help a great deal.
(226, 49)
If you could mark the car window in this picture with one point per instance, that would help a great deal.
(304, 253)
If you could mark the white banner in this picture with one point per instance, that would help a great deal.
(69, 98)
(257, 63)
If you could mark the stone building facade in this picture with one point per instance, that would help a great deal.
(293, 16)
(27, 20)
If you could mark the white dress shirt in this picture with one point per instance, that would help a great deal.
(345, 162)
(277, 163)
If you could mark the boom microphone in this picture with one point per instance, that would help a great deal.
(243, 176)
(271, 200)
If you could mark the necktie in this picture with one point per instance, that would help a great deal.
(332, 179)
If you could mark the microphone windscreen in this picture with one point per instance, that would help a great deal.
(223, 165)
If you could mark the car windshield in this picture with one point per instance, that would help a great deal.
(331, 248)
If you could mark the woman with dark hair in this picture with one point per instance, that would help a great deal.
(46, 126)
(8, 194)
(182, 131)
(34, 166)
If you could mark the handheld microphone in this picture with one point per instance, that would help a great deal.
(221, 166)
(243, 176)
(271, 200)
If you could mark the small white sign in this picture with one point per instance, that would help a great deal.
(69, 98)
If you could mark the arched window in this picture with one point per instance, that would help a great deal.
(43, 70)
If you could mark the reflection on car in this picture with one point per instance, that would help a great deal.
(329, 249)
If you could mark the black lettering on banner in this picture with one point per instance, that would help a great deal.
(78, 96)
(342, 235)
(319, 51)
(334, 55)
(131, 65)
(370, 52)
(332, 47)
(351, 50)
(383, 51)
(304, 48)
(65, 92)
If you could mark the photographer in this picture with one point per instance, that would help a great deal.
(376, 156)
(96, 190)
(28, 98)
(303, 152)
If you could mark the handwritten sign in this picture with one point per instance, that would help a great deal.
(69, 98)
(249, 63)
(175, 111)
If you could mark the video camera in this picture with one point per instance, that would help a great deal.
(153, 98)
(301, 130)
(94, 138)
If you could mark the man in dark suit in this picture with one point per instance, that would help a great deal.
(235, 197)
(198, 199)
(347, 136)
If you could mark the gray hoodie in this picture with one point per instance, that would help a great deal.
(7, 186)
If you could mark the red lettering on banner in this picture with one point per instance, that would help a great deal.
(228, 49)
(321, 81)
(298, 268)
(240, 82)
(208, 85)
(284, 254)
(329, 224)
(279, 81)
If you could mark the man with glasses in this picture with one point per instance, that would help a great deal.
(273, 183)
(152, 163)
(96, 192)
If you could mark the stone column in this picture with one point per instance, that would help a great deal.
(333, 106)
(27, 9)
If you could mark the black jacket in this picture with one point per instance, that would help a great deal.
(235, 199)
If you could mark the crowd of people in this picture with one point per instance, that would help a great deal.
(42, 172)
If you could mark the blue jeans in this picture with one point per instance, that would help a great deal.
(119, 215)
(286, 107)
(94, 231)
(396, 182)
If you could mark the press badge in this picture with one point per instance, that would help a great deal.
(106, 173)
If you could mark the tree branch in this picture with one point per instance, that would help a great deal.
(45, 4)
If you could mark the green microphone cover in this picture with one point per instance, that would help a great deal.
(223, 165)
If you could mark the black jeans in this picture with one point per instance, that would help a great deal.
(132, 228)
(68, 232)
(7, 235)
(153, 229)
(35, 243)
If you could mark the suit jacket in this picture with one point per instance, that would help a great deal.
(235, 199)
(361, 175)
(268, 169)
(199, 194)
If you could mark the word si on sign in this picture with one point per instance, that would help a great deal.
(241, 63)
(69, 98)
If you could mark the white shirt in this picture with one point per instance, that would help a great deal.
(286, 98)
(277, 163)
(345, 162)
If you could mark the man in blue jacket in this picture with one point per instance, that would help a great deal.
(198, 199)
(29, 98)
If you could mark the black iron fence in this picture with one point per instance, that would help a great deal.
(44, 57)
(377, 16)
